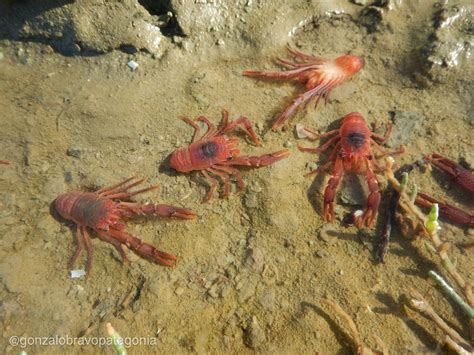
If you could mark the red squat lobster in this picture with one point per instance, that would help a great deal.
(104, 210)
(215, 154)
(319, 76)
(461, 176)
(351, 153)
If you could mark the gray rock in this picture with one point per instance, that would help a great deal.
(452, 40)
(353, 190)
(71, 27)
(360, 2)
(328, 233)
(254, 260)
(267, 300)
(203, 18)
(247, 290)
(254, 334)
(74, 152)
(405, 125)
(251, 200)
(213, 291)
(321, 253)
(371, 17)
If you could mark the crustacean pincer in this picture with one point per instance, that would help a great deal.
(460, 175)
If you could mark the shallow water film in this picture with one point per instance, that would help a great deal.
(91, 93)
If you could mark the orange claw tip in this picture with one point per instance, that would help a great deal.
(185, 214)
(282, 154)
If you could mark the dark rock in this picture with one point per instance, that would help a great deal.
(74, 152)
(371, 17)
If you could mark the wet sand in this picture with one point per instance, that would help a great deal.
(252, 267)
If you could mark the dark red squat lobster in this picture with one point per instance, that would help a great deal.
(319, 76)
(104, 210)
(351, 153)
(215, 154)
(462, 177)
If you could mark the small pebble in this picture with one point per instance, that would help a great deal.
(311, 166)
(320, 254)
(75, 274)
(68, 176)
(132, 65)
(341, 272)
(179, 291)
(255, 187)
(74, 152)
(328, 233)
(251, 201)
(255, 335)
(288, 144)
(213, 291)
(360, 2)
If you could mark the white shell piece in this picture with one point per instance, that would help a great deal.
(132, 65)
(76, 274)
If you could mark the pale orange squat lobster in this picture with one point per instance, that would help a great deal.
(317, 74)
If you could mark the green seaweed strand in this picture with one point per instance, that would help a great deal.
(432, 224)
(117, 340)
(452, 294)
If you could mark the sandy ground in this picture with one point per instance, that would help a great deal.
(252, 267)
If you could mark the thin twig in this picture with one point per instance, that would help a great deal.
(359, 347)
(456, 347)
(441, 247)
(352, 327)
(422, 305)
(387, 230)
